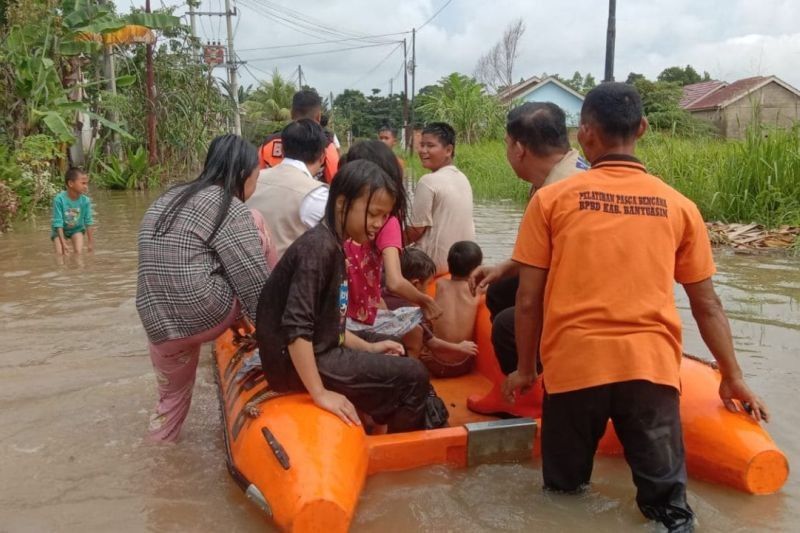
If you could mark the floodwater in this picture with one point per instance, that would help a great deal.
(76, 387)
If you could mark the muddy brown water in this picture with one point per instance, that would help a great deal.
(76, 387)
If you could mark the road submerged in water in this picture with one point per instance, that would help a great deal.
(76, 388)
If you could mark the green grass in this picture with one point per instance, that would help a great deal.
(754, 180)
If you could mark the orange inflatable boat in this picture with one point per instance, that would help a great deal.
(306, 469)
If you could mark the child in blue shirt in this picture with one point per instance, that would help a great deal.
(72, 214)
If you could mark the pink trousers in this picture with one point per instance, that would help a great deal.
(175, 362)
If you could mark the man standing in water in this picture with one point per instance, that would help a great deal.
(538, 150)
(599, 254)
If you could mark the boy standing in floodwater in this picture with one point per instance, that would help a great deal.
(442, 211)
(72, 214)
(599, 254)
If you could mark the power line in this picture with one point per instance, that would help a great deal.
(316, 23)
(435, 14)
(321, 52)
(282, 21)
(325, 42)
(381, 62)
(300, 21)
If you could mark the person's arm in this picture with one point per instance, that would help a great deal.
(716, 333)
(312, 208)
(483, 276)
(421, 212)
(415, 233)
(89, 222)
(528, 319)
(301, 352)
(238, 247)
(354, 342)
(400, 286)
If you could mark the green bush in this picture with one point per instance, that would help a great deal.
(131, 172)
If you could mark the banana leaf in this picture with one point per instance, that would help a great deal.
(156, 21)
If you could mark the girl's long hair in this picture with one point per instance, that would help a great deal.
(384, 157)
(229, 162)
(353, 180)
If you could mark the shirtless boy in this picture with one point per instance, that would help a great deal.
(459, 305)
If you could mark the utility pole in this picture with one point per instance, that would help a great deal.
(413, 84)
(152, 144)
(405, 95)
(237, 119)
(193, 26)
(391, 86)
(610, 38)
(300, 77)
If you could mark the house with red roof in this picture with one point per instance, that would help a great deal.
(732, 107)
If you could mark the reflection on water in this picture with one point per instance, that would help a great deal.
(76, 387)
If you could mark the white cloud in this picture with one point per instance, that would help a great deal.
(730, 39)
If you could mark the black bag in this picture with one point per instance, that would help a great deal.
(436, 413)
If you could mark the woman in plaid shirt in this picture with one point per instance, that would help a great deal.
(202, 264)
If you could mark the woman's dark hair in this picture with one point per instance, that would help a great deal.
(540, 126)
(352, 181)
(303, 140)
(229, 162)
(442, 131)
(380, 154)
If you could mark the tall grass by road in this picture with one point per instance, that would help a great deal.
(754, 180)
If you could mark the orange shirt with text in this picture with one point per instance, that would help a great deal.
(614, 239)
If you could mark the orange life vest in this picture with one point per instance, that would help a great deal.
(271, 154)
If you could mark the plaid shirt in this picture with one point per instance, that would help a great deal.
(186, 286)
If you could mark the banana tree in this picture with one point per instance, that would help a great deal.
(93, 28)
(47, 59)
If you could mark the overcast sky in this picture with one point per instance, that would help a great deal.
(730, 39)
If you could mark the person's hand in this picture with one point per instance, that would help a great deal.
(335, 403)
(387, 347)
(243, 324)
(431, 310)
(481, 277)
(736, 389)
(468, 347)
(517, 381)
(65, 248)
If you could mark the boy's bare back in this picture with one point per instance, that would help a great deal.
(459, 308)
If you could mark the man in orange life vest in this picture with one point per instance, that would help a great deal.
(305, 104)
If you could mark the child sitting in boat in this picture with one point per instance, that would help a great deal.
(367, 262)
(443, 357)
(459, 305)
(302, 311)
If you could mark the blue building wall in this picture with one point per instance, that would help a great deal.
(550, 92)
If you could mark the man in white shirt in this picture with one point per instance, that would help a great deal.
(289, 198)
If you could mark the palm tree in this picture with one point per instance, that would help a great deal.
(272, 100)
(463, 103)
